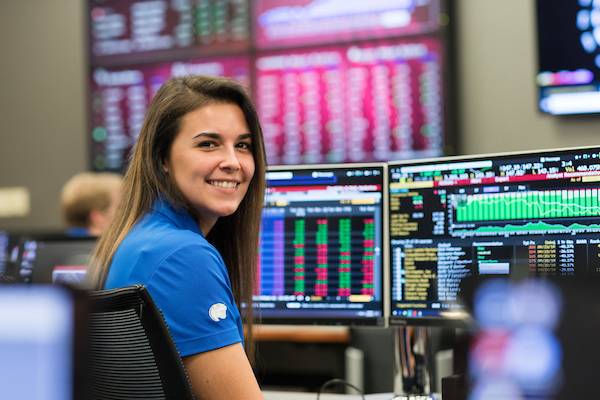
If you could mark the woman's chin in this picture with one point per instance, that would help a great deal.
(226, 211)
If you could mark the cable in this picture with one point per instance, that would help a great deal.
(337, 381)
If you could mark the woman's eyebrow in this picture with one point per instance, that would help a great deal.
(212, 135)
(245, 136)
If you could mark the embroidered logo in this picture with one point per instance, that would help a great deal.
(217, 312)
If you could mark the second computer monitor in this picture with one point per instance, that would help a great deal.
(519, 214)
(321, 247)
(54, 259)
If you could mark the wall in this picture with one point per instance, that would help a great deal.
(496, 68)
(43, 75)
(42, 102)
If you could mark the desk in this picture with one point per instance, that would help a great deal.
(274, 395)
(302, 334)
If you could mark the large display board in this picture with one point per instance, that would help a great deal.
(120, 97)
(333, 80)
(374, 100)
(526, 213)
(157, 27)
(294, 23)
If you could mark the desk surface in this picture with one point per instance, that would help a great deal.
(273, 395)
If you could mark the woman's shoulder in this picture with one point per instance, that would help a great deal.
(162, 231)
(164, 238)
(147, 253)
(157, 237)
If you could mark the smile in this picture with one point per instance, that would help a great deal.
(224, 184)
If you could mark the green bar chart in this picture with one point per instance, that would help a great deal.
(530, 205)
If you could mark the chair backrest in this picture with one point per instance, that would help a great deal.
(131, 353)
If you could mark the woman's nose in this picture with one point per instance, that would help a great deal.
(230, 159)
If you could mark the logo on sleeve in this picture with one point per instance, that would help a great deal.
(217, 312)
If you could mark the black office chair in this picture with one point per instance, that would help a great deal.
(131, 354)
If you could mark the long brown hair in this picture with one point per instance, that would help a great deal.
(235, 236)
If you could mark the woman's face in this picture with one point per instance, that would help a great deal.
(211, 161)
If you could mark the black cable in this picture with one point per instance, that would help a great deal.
(337, 381)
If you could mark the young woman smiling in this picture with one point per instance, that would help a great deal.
(187, 227)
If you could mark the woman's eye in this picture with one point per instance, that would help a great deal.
(207, 144)
(245, 145)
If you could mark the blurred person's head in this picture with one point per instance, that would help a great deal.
(89, 200)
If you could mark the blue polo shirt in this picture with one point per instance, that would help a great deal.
(185, 275)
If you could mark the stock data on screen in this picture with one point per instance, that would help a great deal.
(121, 96)
(529, 213)
(321, 245)
(333, 81)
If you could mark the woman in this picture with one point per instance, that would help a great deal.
(187, 227)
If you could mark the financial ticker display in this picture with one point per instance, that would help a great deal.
(120, 97)
(292, 23)
(120, 29)
(321, 245)
(374, 101)
(528, 213)
(333, 80)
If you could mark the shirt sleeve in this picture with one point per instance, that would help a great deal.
(192, 289)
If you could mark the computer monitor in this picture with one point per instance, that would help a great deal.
(535, 338)
(121, 96)
(4, 251)
(333, 81)
(41, 330)
(293, 23)
(321, 245)
(522, 213)
(568, 74)
(9, 253)
(53, 259)
(367, 101)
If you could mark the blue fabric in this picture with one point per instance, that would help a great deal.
(185, 275)
(78, 232)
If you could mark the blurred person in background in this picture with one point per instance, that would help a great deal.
(88, 202)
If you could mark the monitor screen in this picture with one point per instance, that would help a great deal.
(535, 339)
(333, 80)
(522, 213)
(54, 259)
(321, 245)
(141, 29)
(121, 97)
(292, 23)
(9, 254)
(363, 102)
(569, 56)
(37, 342)
(4, 251)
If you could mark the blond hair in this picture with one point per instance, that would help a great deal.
(85, 192)
(235, 236)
